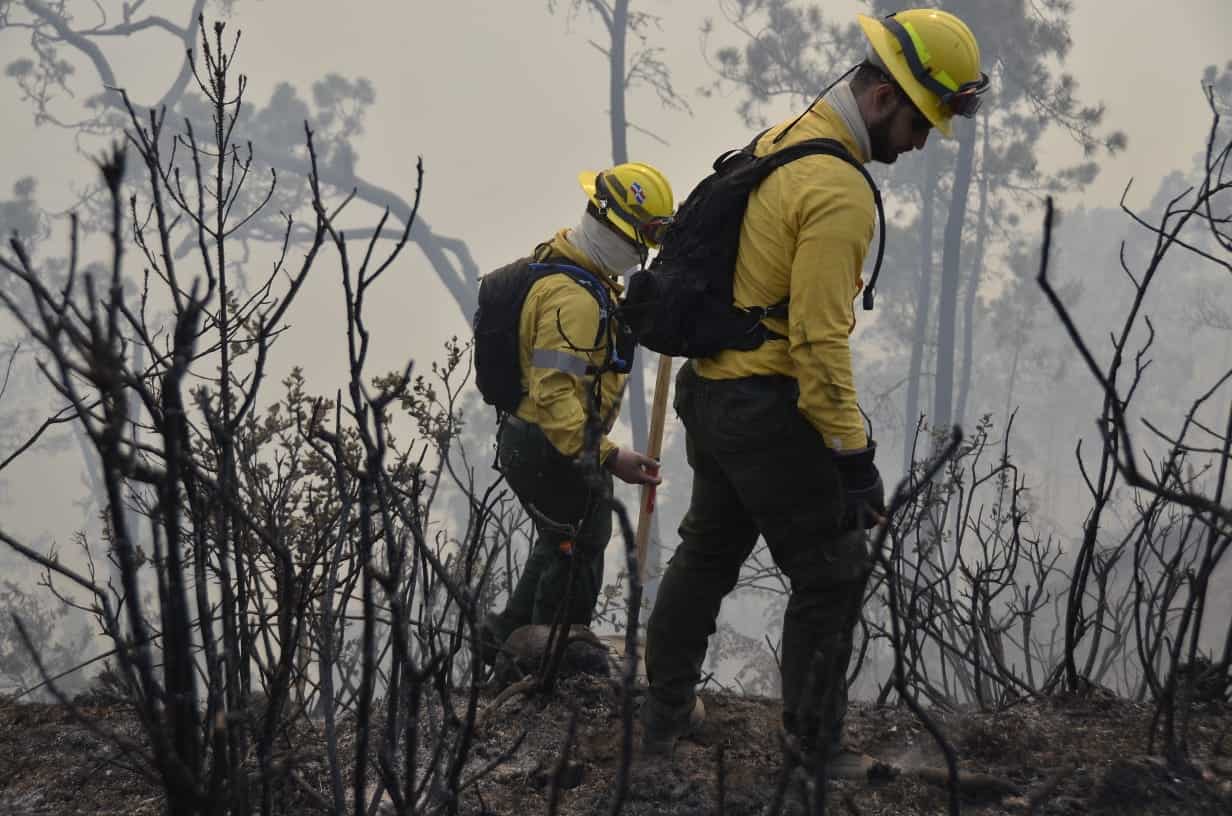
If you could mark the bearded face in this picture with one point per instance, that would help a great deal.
(898, 128)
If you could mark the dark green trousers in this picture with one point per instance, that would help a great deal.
(566, 506)
(759, 468)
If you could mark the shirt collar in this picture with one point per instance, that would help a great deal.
(842, 100)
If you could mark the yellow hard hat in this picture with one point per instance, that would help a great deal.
(934, 58)
(634, 197)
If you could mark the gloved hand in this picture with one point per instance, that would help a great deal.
(864, 492)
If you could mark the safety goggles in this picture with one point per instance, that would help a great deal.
(650, 229)
(653, 231)
(963, 100)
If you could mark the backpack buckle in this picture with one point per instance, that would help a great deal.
(759, 313)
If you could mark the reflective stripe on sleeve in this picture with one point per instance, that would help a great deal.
(560, 361)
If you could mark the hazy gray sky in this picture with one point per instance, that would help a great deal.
(506, 103)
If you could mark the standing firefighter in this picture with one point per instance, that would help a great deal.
(774, 434)
(553, 358)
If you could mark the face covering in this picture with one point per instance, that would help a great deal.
(843, 100)
(611, 252)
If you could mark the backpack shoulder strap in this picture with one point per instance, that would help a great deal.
(831, 147)
(599, 291)
(584, 278)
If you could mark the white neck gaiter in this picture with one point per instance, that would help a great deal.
(611, 253)
(843, 100)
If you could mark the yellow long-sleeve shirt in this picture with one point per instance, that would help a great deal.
(805, 233)
(556, 335)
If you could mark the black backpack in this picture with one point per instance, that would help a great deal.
(681, 305)
(498, 370)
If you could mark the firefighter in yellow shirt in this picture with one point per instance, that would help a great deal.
(574, 358)
(774, 436)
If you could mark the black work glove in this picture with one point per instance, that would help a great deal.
(864, 494)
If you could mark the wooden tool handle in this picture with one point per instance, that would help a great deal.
(654, 447)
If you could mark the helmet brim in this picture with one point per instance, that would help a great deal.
(588, 181)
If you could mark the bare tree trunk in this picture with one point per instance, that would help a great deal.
(98, 490)
(947, 309)
(635, 398)
(973, 286)
(923, 302)
(620, 154)
(616, 81)
(1012, 384)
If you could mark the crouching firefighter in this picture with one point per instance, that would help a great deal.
(552, 356)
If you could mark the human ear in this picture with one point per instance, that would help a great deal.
(885, 98)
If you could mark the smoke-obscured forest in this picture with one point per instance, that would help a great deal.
(245, 476)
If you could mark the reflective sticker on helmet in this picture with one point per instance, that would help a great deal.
(638, 192)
